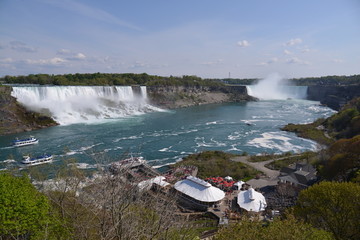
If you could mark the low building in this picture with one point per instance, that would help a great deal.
(298, 174)
(251, 200)
(197, 194)
(158, 181)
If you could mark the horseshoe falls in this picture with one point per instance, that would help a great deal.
(84, 104)
(275, 87)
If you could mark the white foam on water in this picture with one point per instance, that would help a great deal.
(168, 149)
(235, 136)
(8, 147)
(9, 161)
(84, 165)
(82, 149)
(234, 148)
(275, 141)
(200, 142)
(128, 138)
(70, 153)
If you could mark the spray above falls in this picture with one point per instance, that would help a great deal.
(275, 87)
(84, 104)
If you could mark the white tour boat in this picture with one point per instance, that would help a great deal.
(24, 142)
(28, 161)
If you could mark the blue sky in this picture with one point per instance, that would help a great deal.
(207, 38)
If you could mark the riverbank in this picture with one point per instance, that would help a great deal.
(172, 97)
(14, 118)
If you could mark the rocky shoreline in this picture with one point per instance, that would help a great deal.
(172, 97)
(14, 118)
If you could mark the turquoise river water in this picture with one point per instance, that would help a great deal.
(164, 137)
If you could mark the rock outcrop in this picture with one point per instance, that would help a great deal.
(14, 118)
(333, 96)
(181, 96)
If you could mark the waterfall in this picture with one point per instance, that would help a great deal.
(275, 87)
(83, 104)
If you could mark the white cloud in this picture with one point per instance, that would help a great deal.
(287, 52)
(268, 62)
(21, 47)
(211, 63)
(273, 60)
(6, 60)
(305, 50)
(338, 60)
(50, 61)
(71, 55)
(78, 56)
(296, 60)
(243, 43)
(138, 64)
(293, 42)
(63, 52)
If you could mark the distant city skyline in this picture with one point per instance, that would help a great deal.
(206, 38)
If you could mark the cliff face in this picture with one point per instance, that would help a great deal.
(180, 96)
(14, 118)
(333, 96)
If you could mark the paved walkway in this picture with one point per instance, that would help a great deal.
(271, 174)
(271, 178)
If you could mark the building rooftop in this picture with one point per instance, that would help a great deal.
(199, 189)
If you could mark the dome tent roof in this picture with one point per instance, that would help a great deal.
(199, 189)
(251, 200)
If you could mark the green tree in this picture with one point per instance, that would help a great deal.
(24, 212)
(277, 230)
(333, 206)
(344, 159)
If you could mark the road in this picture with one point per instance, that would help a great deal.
(271, 175)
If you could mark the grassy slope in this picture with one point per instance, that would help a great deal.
(217, 163)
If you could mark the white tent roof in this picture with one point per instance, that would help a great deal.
(199, 189)
(228, 178)
(251, 200)
(159, 180)
(239, 184)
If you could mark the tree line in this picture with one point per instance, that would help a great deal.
(95, 79)
(307, 81)
(109, 79)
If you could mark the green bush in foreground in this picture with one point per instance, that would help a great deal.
(277, 230)
(24, 212)
(333, 206)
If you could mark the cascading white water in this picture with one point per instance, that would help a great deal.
(79, 104)
(275, 87)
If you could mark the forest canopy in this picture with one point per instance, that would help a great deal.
(96, 79)
(109, 79)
